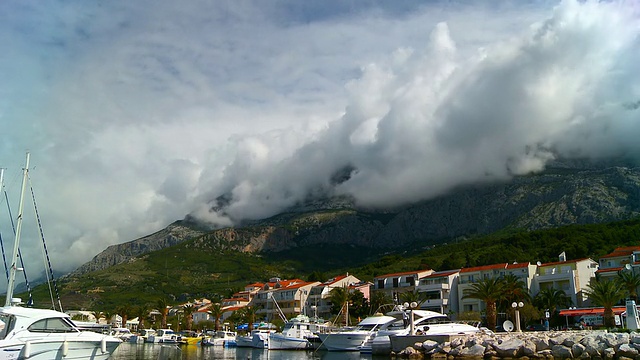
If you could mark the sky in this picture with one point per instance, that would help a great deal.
(137, 113)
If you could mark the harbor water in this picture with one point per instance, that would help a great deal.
(129, 351)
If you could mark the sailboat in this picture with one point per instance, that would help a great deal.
(42, 334)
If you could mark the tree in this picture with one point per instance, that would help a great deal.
(514, 290)
(163, 308)
(378, 300)
(412, 296)
(188, 311)
(630, 282)
(605, 293)
(552, 299)
(124, 312)
(339, 297)
(142, 312)
(488, 290)
(216, 312)
(97, 315)
(250, 313)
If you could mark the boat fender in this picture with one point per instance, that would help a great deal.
(65, 348)
(27, 350)
(103, 345)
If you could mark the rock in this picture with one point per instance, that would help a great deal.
(627, 350)
(541, 343)
(529, 348)
(614, 340)
(476, 350)
(429, 345)
(634, 338)
(561, 352)
(509, 348)
(608, 353)
(578, 349)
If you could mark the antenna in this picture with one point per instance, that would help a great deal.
(538, 263)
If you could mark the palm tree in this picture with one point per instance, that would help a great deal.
(378, 299)
(412, 296)
(98, 315)
(142, 312)
(163, 308)
(216, 312)
(339, 298)
(552, 299)
(188, 311)
(250, 313)
(124, 312)
(490, 291)
(605, 293)
(630, 282)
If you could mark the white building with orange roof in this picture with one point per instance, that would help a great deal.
(468, 276)
(396, 283)
(287, 295)
(318, 304)
(622, 258)
(440, 289)
(570, 276)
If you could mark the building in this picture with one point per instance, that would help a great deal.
(570, 276)
(440, 290)
(622, 258)
(318, 303)
(286, 297)
(468, 276)
(397, 283)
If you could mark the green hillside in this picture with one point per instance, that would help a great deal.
(193, 270)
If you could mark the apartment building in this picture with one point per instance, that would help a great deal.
(397, 283)
(440, 289)
(570, 276)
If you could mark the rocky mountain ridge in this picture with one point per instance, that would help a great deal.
(561, 195)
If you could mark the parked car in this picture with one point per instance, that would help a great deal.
(536, 327)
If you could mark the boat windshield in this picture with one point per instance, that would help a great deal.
(7, 323)
(52, 325)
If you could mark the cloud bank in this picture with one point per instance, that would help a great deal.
(138, 113)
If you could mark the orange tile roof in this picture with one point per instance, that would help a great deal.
(401, 273)
(614, 269)
(484, 267)
(517, 265)
(622, 251)
(443, 273)
(563, 262)
(258, 284)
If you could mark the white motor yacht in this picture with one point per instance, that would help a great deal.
(353, 338)
(298, 334)
(29, 333)
(425, 322)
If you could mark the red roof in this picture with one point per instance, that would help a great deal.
(563, 262)
(335, 279)
(591, 311)
(402, 273)
(443, 273)
(613, 269)
(622, 251)
(484, 267)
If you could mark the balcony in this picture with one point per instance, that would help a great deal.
(555, 276)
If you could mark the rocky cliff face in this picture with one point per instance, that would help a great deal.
(117, 254)
(559, 196)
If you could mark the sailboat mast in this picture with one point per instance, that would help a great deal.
(16, 243)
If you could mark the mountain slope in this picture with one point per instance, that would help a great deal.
(562, 195)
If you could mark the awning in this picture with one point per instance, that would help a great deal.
(617, 310)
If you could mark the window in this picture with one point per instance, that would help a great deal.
(395, 282)
(410, 280)
(380, 284)
(53, 325)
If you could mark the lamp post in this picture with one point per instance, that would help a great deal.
(516, 306)
(411, 306)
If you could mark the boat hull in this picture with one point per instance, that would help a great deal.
(351, 341)
(281, 342)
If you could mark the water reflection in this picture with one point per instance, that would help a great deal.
(129, 351)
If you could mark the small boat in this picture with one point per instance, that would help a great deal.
(351, 339)
(123, 334)
(142, 336)
(298, 334)
(221, 338)
(164, 336)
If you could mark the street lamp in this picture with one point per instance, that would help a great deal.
(516, 306)
(411, 306)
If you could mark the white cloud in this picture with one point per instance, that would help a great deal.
(138, 113)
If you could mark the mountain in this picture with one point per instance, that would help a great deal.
(566, 193)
